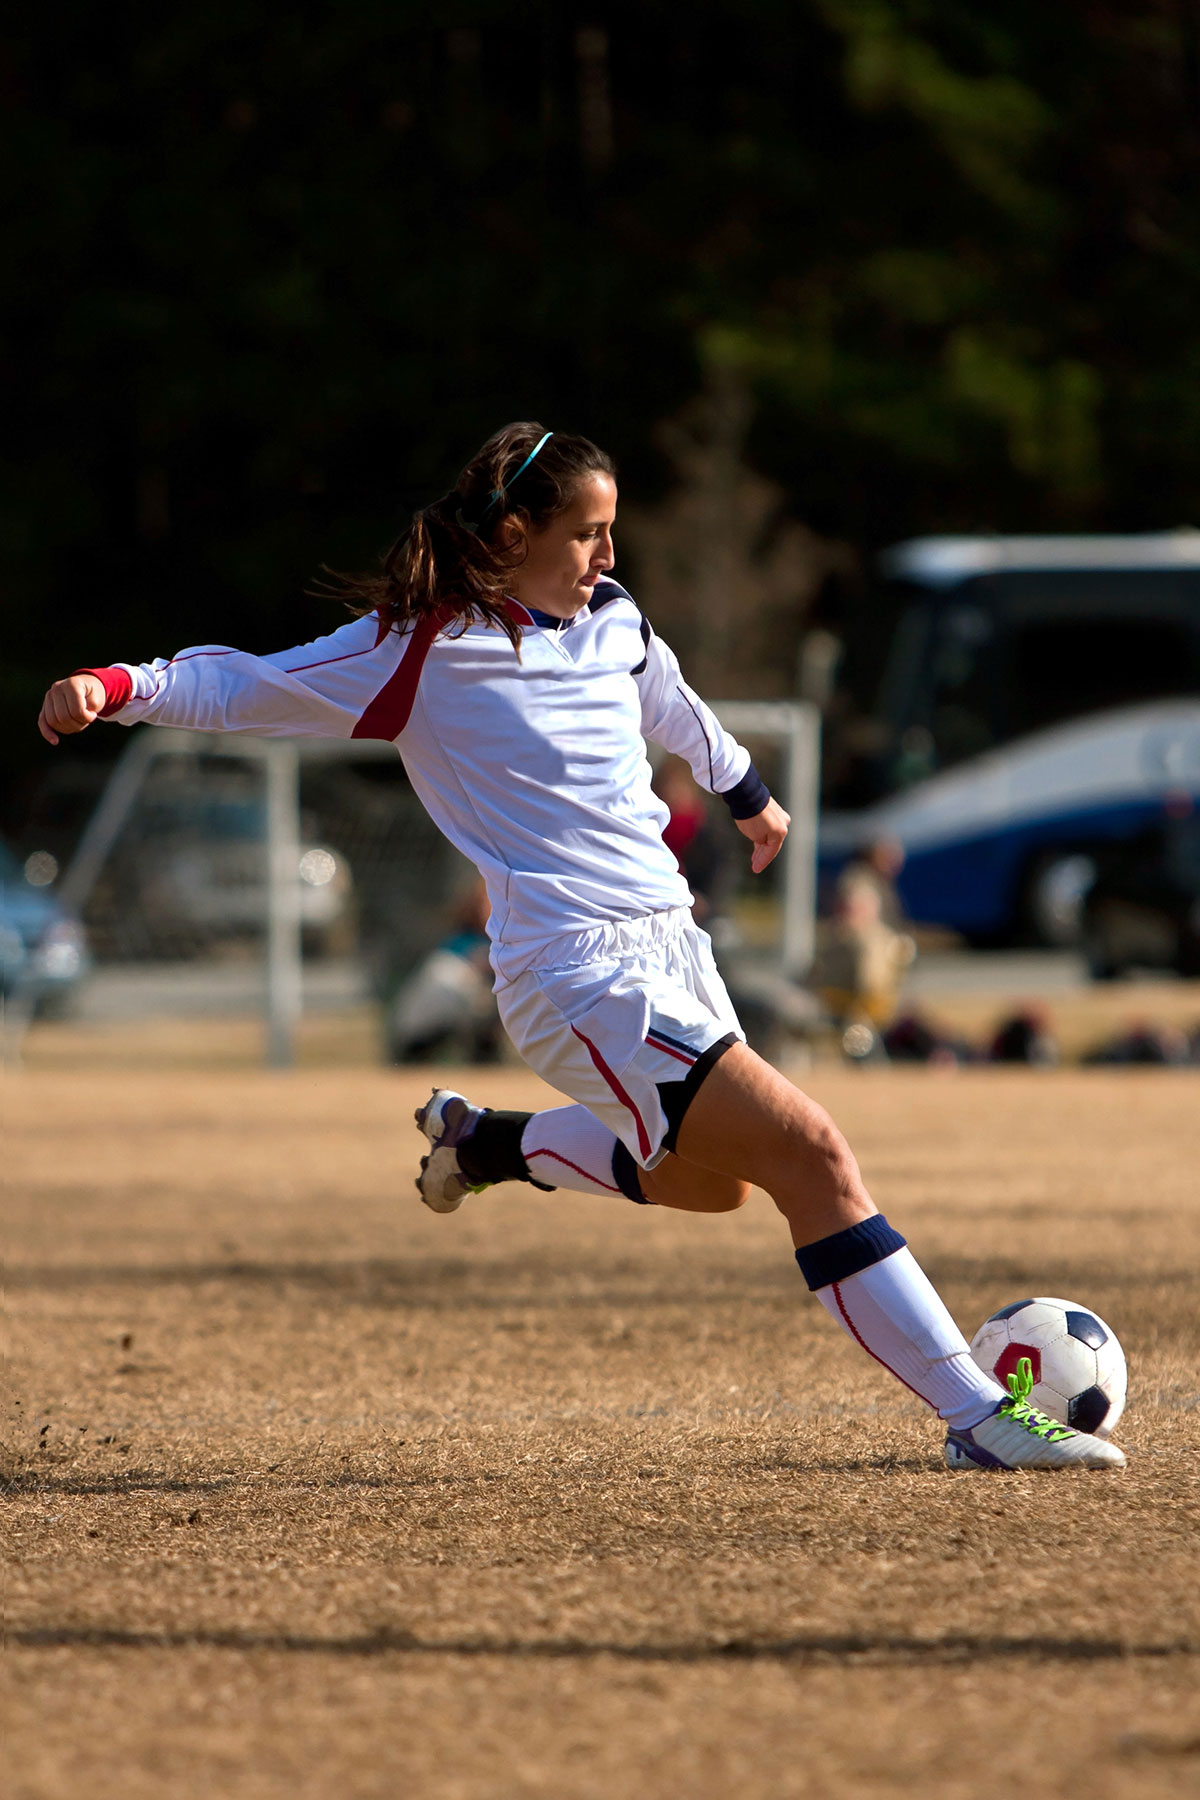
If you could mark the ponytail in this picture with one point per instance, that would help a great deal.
(454, 558)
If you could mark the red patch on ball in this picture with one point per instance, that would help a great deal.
(1010, 1356)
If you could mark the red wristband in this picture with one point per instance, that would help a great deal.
(118, 688)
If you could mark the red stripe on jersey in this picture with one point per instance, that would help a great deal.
(388, 713)
(117, 685)
(300, 668)
(667, 1051)
(618, 1090)
(192, 656)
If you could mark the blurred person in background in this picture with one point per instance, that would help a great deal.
(698, 846)
(1026, 1037)
(865, 952)
(447, 1008)
(876, 870)
(773, 1010)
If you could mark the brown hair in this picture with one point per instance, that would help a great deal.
(450, 557)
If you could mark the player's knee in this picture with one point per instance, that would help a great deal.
(835, 1154)
(824, 1161)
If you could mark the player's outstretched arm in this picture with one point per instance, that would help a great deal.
(337, 686)
(766, 831)
(71, 705)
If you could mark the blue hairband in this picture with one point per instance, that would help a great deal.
(499, 493)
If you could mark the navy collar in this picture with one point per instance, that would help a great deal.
(606, 589)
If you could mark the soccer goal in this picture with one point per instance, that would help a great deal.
(793, 729)
(286, 843)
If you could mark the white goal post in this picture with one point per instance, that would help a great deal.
(793, 725)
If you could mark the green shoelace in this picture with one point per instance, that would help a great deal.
(1018, 1409)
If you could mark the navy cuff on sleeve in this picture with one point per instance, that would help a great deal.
(747, 799)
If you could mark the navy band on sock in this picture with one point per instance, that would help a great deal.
(846, 1252)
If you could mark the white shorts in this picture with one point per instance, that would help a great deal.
(630, 1029)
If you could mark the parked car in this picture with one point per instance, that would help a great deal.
(189, 873)
(43, 950)
(1005, 846)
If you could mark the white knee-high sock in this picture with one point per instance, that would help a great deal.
(879, 1294)
(568, 1147)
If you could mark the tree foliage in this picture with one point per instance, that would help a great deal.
(269, 278)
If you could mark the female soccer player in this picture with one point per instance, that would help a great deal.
(519, 682)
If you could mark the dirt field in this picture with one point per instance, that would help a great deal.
(308, 1492)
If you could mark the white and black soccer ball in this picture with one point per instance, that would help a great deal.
(1079, 1372)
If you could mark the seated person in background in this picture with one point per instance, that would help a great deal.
(446, 1007)
(863, 953)
(875, 869)
(1026, 1037)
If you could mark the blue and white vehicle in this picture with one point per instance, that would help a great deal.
(1008, 839)
(1041, 700)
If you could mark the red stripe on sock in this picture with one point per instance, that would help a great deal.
(852, 1328)
(586, 1173)
(618, 1090)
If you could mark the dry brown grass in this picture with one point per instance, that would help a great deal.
(310, 1492)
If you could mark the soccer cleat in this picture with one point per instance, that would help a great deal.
(1018, 1436)
(446, 1119)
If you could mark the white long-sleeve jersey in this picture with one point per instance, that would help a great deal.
(534, 766)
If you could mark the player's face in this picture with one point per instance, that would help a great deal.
(568, 556)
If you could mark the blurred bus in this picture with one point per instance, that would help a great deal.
(993, 652)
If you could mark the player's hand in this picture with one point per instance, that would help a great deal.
(766, 831)
(71, 705)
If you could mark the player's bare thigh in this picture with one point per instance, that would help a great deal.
(685, 1185)
(750, 1124)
